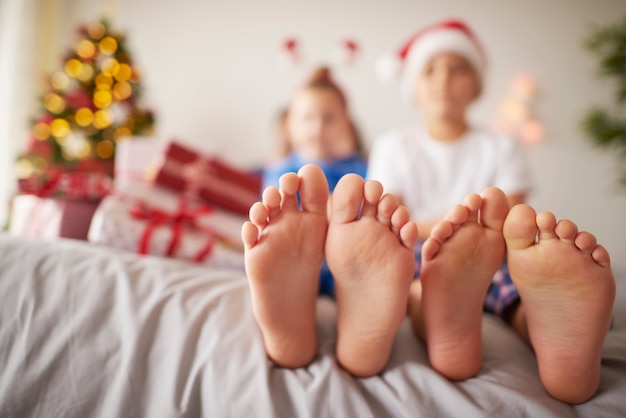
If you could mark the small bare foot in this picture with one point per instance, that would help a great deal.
(459, 261)
(284, 251)
(567, 291)
(369, 249)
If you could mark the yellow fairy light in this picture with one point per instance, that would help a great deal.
(96, 30)
(41, 131)
(84, 116)
(124, 73)
(73, 67)
(59, 127)
(85, 49)
(105, 149)
(54, 103)
(102, 98)
(59, 81)
(86, 73)
(122, 90)
(83, 149)
(121, 133)
(108, 45)
(104, 81)
(24, 168)
(110, 66)
(103, 118)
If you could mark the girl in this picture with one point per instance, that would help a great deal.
(319, 130)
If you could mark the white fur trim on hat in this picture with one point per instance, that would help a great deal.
(436, 42)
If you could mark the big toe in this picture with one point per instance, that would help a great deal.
(347, 199)
(494, 208)
(520, 227)
(313, 189)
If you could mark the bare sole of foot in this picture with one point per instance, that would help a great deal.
(567, 290)
(284, 251)
(459, 261)
(369, 250)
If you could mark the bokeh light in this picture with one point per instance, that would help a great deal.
(110, 66)
(108, 45)
(41, 131)
(105, 149)
(85, 49)
(96, 30)
(59, 127)
(83, 117)
(59, 81)
(73, 67)
(103, 118)
(122, 90)
(102, 98)
(54, 103)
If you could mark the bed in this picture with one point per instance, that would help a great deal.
(89, 331)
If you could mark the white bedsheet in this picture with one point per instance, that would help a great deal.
(92, 332)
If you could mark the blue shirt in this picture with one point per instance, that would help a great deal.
(334, 169)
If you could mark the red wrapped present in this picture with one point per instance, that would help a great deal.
(209, 178)
(51, 218)
(75, 185)
(157, 221)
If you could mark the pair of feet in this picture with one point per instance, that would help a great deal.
(564, 279)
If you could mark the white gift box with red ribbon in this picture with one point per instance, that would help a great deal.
(150, 220)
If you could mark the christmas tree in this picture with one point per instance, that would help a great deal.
(87, 107)
(607, 128)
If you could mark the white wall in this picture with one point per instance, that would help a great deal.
(212, 75)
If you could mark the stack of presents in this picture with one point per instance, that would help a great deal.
(165, 199)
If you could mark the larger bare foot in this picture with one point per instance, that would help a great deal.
(459, 261)
(284, 251)
(369, 249)
(567, 291)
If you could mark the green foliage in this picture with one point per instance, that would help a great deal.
(607, 128)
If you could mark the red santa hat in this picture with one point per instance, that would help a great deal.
(446, 36)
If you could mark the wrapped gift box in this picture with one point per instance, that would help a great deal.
(136, 159)
(69, 185)
(209, 178)
(51, 218)
(150, 220)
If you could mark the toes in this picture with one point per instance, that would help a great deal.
(289, 183)
(408, 235)
(520, 227)
(442, 231)
(601, 256)
(271, 200)
(313, 189)
(372, 191)
(430, 249)
(387, 205)
(458, 215)
(399, 218)
(259, 214)
(494, 208)
(566, 230)
(347, 199)
(546, 222)
(249, 234)
(472, 203)
(585, 242)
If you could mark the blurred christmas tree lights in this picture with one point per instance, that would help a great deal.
(87, 107)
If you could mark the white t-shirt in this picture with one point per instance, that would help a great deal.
(432, 176)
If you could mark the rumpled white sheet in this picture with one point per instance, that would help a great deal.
(88, 331)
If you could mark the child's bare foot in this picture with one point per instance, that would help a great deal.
(567, 291)
(459, 261)
(371, 257)
(284, 251)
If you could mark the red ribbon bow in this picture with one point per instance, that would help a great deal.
(177, 220)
